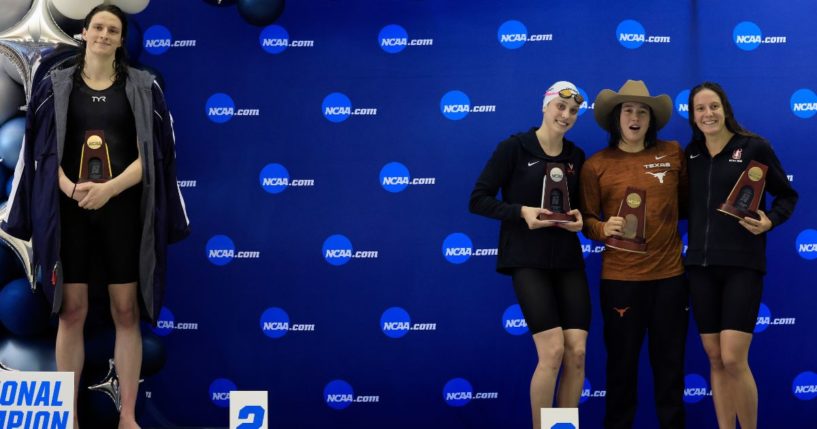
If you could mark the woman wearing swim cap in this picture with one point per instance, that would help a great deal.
(543, 257)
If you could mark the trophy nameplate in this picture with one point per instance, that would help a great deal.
(555, 196)
(634, 211)
(744, 199)
(95, 161)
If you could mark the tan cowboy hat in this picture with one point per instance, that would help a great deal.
(632, 90)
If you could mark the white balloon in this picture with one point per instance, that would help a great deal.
(75, 9)
(11, 71)
(13, 10)
(130, 6)
(12, 97)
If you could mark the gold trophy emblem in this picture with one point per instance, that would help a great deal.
(95, 161)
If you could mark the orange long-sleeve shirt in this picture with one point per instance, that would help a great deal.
(661, 171)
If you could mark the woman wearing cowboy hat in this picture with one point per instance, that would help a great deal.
(544, 258)
(642, 292)
(726, 259)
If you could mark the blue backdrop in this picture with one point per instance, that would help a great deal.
(326, 165)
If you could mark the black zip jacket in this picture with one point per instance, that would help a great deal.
(517, 168)
(716, 238)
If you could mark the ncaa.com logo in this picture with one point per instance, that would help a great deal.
(695, 389)
(588, 392)
(513, 34)
(394, 39)
(765, 319)
(337, 250)
(589, 247)
(803, 103)
(806, 244)
(220, 390)
(458, 392)
(458, 248)
(339, 395)
(395, 177)
(274, 179)
(804, 386)
(166, 323)
(274, 39)
(395, 322)
(631, 34)
(220, 250)
(456, 105)
(220, 108)
(275, 323)
(747, 36)
(157, 40)
(682, 103)
(337, 107)
(513, 321)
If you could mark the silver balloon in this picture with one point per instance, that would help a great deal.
(30, 40)
(13, 10)
(110, 386)
(11, 70)
(22, 249)
(3, 367)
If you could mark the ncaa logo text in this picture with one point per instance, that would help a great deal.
(458, 392)
(157, 40)
(337, 107)
(220, 250)
(220, 390)
(394, 39)
(396, 323)
(514, 34)
(275, 323)
(747, 36)
(803, 103)
(274, 179)
(337, 250)
(456, 105)
(220, 108)
(395, 177)
(274, 39)
(339, 395)
(631, 34)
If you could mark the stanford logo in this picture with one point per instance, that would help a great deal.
(737, 154)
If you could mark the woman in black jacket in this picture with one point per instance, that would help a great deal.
(726, 259)
(544, 257)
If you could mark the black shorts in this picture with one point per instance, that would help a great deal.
(725, 298)
(551, 298)
(101, 246)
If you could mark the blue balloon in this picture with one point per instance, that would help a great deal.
(22, 312)
(11, 140)
(260, 12)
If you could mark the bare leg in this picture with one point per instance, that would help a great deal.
(70, 347)
(572, 380)
(735, 354)
(128, 348)
(722, 394)
(550, 350)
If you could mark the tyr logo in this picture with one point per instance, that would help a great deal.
(98, 99)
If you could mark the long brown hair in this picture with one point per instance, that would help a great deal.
(728, 114)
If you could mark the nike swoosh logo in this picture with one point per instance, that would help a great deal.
(532, 163)
(694, 156)
(660, 157)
